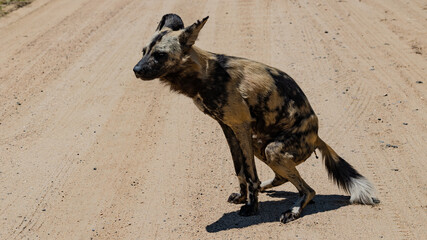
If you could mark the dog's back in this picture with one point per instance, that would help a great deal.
(276, 103)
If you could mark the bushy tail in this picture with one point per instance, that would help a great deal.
(346, 177)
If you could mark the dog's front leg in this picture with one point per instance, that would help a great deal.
(240, 142)
(237, 155)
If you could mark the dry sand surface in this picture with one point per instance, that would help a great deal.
(88, 151)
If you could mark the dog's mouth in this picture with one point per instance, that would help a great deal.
(139, 73)
(144, 78)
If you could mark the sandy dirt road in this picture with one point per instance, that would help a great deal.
(88, 151)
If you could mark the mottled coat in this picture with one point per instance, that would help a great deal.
(262, 111)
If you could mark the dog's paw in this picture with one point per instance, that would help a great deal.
(248, 210)
(289, 216)
(236, 198)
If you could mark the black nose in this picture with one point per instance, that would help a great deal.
(137, 69)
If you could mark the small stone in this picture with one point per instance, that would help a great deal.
(419, 82)
(385, 95)
(391, 146)
(326, 32)
(395, 169)
(44, 209)
(19, 104)
(405, 123)
(94, 168)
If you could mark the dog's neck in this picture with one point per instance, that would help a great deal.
(191, 75)
(200, 57)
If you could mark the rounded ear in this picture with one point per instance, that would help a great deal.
(171, 21)
(189, 36)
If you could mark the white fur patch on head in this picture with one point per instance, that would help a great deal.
(169, 44)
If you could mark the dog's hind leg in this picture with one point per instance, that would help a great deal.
(283, 160)
(274, 182)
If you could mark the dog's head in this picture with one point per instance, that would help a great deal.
(168, 47)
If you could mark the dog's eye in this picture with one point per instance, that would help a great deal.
(160, 56)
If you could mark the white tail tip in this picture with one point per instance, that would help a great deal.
(362, 191)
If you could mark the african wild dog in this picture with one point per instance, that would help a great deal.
(261, 110)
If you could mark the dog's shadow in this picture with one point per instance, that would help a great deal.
(270, 210)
